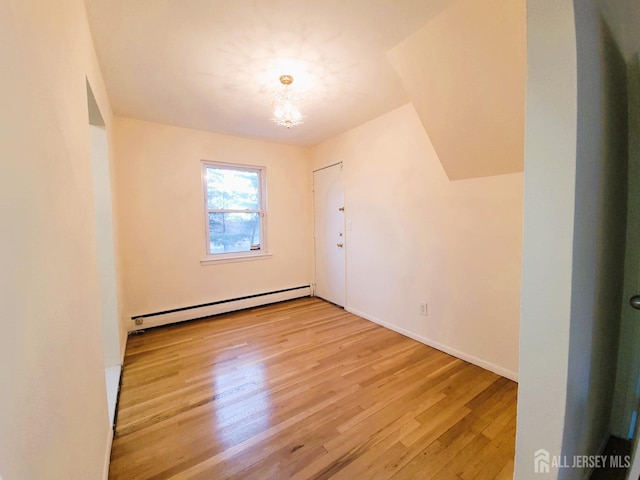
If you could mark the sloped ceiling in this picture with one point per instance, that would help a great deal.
(465, 73)
(213, 64)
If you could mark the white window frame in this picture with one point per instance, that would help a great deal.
(262, 210)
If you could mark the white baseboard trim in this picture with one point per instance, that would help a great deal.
(207, 311)
(107, 455)
(439, 346)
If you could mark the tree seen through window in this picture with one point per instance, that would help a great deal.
(234, 209)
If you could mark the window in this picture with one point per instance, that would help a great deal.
(235, 210)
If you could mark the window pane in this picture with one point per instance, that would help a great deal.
(234, 232)
(232, 189)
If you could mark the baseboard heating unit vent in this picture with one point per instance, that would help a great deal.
(215, 308)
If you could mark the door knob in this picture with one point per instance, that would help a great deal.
(635, 302)
(342, 245)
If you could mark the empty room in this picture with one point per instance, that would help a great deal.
(319, 239)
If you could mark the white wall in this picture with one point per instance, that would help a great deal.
(550, 152)
(53, 419)
(161, 216)
(464, 72)
(419, 237)
(575, 166)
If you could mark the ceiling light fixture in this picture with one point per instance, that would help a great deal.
(286, 104)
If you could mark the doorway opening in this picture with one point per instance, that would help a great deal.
(109, 311)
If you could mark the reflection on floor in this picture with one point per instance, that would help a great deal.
(303, 389)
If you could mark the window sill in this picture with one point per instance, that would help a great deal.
(235, 258)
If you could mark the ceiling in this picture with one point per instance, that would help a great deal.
(214, 64)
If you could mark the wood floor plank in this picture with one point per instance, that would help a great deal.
(300, 390)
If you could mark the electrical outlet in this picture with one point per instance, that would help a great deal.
(139, 321)
(423, 308)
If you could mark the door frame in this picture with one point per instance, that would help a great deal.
(315, 249)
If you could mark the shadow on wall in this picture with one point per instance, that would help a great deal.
(599, 241)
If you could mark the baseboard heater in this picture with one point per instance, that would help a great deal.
(156, 319)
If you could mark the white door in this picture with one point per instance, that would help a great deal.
(328, 196)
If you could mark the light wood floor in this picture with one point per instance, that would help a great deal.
(301, 390)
